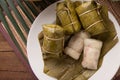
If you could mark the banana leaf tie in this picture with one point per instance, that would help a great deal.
(89, 11)
(93, 24)
(72, 22)
(61, 11)
(62, 38)
(54, 39)
(50, 51)
(115, 37)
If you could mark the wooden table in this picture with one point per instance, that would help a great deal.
(11, 68)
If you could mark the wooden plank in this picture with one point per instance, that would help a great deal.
(10, 62)
(1, 37)
(11, 68)
(116, 9)
(4, 46)
(6, 75)
(17, 36)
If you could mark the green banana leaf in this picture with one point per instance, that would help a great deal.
(90, 18)
(66, 68)
(53, 42)
(68, 17)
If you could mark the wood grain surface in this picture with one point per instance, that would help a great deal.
(11, 68)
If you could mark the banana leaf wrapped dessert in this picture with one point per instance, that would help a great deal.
(90, 18)
(108, 24)
(53, 41)
(65, 67)
(67, 16)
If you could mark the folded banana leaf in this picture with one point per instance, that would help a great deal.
(90, 18)
(86, 74)
(108, 39)
(77, 3)
(57, 67)
(75, 68)
(58, 71)
(53, 42)
(108, 24)
(68, 17)
(66, 68)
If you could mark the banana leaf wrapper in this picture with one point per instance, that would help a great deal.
(108, 24)
(108, 39)
(53, 42)
(90, 18)
(67, 17)
(77, 3)
(66, 68)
